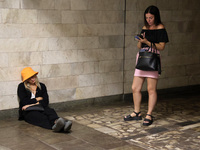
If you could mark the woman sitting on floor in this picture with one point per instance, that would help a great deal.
(31, 93)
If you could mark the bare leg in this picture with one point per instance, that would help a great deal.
(151, 87)
(137, 96)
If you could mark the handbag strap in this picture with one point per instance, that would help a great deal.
(152, 44)
(155, 47)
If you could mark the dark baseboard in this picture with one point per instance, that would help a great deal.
(112, 100)
(169, 93)
(84, 103)
(70, 105)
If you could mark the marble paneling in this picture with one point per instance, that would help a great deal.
(49, 16)
(61, 83)
(181, 81)
(111, 66)
(168, 5)
(19, 16)
(59, 57)
(8, 102)
(175, 71)
(57, 96)
(111, 41)
(4, 60)
(23, 44)
(9, 4)
(97, 5)
(11, 73)
(73, 43)
(89, 92)
(42, 30)
(10, 31)
(78, 46)
(100, 29)
(38, 4)
(63, 4)
(80, 17)
(8, 88)
(25, 59)
(55, 70)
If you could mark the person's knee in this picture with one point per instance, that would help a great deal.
(151, 90)
(135, 89)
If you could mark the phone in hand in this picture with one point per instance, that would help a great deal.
(138, 36)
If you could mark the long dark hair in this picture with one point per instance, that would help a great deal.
(154, 11)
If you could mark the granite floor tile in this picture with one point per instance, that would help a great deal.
(76, 145)
(175, 126)
(19, 135)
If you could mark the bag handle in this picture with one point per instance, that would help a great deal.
(152, 44)
(155, 47)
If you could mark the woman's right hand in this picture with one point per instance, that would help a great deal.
(39, 98)
(24, 107)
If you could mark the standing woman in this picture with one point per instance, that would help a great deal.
(152, 32)
(31, 92)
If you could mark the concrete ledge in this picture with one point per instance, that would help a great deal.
(111, 100)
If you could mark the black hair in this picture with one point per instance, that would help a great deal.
(154, 11)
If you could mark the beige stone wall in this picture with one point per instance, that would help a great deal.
(77, 46)
(181, 57)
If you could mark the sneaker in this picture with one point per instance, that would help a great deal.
(68, 125)
(58, 126)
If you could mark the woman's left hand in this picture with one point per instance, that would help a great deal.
(143, 40)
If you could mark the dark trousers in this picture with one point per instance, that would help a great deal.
(43, 119)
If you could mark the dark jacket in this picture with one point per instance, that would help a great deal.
(25, 97)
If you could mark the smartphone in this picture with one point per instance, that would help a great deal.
(139, 35)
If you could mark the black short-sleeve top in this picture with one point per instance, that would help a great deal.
(155, 36)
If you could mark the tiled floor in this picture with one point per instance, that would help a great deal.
(176, 127)
(18, 135)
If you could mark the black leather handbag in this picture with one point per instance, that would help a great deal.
(37, 107)
(149, 61)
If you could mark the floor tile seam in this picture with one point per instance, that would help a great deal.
(147, 134)
(172, 126)
(141, 145)
(52, 146)
(169, 129)
(160, 133)
(87, 141)
(144, 143)
(190, 127)
(109, 126)
(117, 131)
(4, 147)
(107, 134)
(174, 122)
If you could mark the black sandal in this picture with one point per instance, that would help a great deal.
(149, 121)
(129, 117)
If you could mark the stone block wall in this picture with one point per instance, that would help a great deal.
(78, 46)
(181, 57)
